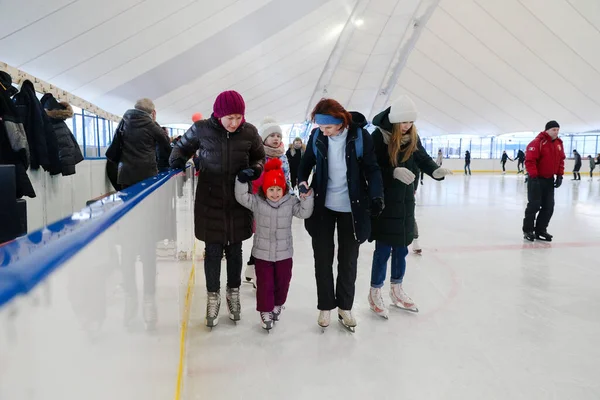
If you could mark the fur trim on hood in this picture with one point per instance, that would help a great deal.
(63, 114)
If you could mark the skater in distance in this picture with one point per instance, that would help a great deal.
(545, 163)
(577, 167)
(229, 147)
(348, 189)
(399, 151)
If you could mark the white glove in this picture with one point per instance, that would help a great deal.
(404, 175)
(441, 172)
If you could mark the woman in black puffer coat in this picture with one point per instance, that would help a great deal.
(229, 148)
(399, 152)
(69, 152)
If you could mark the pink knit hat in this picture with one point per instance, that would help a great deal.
(229, 102)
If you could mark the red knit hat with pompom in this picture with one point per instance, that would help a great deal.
(274, 175)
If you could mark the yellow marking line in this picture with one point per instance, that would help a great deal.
(184, 323)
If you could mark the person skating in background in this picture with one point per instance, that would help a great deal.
(348, 189)
(545, 160)
(520, 162)
(597, 160)
(398, 150)
(229, 147)
(271, 135)
(577, 167)
(592, 167)
(467, 162)
(440, 158)
(294, 155)
(503, 161)
(273, 207)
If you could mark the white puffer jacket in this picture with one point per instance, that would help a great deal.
(273, 235)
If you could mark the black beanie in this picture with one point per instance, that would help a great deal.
(552, 124)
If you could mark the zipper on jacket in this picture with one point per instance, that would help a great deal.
(228, 232)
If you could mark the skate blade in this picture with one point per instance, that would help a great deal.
(380, 315)
(412, 310)
(348, 328)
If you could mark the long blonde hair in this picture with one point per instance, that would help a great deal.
(395, 145)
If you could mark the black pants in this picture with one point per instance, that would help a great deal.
(591, 172)
(576, 174)
(503, 166)
(521, 166)
(323, 247)
(540, 196)
(468, 166)
(212, 265)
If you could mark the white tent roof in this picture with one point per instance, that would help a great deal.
(472, 66)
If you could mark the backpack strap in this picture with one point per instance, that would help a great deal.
(359, 144)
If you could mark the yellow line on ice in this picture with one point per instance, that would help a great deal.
(184, 323)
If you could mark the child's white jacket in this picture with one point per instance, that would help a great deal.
(273, 235)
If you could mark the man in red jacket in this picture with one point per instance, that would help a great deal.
(544, 159)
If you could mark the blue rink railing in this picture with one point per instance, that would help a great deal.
(29, 260)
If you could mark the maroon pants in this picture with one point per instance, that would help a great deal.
(272, 283)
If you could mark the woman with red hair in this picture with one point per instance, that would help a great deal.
(348, 191)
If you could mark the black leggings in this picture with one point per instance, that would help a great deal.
(212, 265)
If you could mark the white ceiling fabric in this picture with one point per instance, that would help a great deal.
(481, 67)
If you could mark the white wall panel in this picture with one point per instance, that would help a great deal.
(21, 16)
(57, 28)
(129, 22)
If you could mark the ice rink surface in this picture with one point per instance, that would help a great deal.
(499, 318)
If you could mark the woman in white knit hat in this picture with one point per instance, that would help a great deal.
(272, 137)
(398, 150)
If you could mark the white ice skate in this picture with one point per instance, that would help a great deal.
(213, 304)
(233, 304)
(267, 321)
(250, 275)
(324, 318)
(376, 303)
(416, 247)
(347, 319)
(277, 312)
(400, 299)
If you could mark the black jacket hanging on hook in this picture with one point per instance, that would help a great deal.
(43, 145)
(68, 148)
(14, 149)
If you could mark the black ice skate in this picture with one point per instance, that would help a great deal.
(544, 236)
(529, 236)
